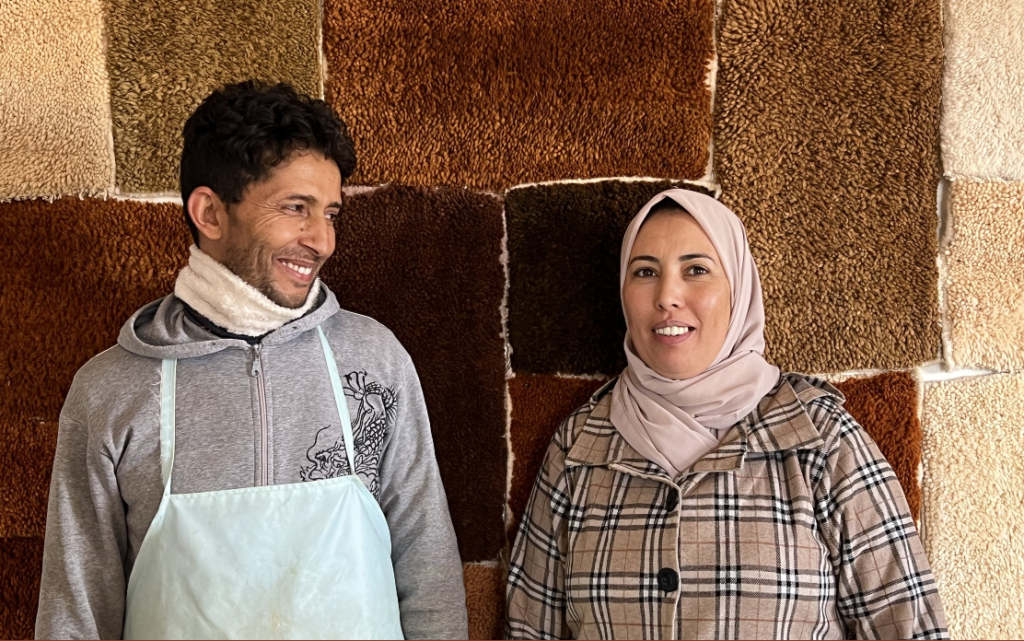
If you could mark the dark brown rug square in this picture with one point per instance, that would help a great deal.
(491, 93)
(564, 313)
(427, 264)
(21, 565)
(826, 145)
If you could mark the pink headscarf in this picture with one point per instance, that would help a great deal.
(674, 423)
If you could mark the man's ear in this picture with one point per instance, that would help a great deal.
(208, 214)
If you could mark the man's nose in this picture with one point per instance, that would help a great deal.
(317, 230)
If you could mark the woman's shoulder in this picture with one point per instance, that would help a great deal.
(593, 417)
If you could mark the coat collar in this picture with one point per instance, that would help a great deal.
(780, 423)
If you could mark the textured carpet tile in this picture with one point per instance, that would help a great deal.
(21, 564)
(485, 600)
(26, 460)
(886, 406)
(71, 273)
(165, 56)
(491, 93)
(983, 89)
(55, 124)
(564, 240)
(427, 264)
(974, 502)
(539, 405)
(985, 276)
(826, 132)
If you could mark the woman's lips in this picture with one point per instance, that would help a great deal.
(672, 333)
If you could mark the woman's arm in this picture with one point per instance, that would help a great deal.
(536, 580)
(885, 587)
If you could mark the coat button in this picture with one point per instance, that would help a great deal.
(672, 500)
(668, 580)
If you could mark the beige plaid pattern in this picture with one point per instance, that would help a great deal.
(794, 527)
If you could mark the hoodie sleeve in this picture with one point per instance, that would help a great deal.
(82, 593)
(424, 552)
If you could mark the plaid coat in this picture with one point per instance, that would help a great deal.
(794, 527)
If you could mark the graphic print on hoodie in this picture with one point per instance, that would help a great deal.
(376, 414)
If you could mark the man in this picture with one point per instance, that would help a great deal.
(203, 483)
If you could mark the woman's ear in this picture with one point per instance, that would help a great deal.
(208, 214)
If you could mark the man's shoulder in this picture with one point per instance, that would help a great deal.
(352, 333)
(112, 377)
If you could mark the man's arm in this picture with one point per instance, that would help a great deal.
(82, 593)
(425, 554)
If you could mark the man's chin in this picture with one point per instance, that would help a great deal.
(293, 300)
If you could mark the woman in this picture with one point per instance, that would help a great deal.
(704, 495)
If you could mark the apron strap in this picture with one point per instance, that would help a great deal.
(339, 399)
(168, 391)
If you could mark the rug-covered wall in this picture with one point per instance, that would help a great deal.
(503, 147)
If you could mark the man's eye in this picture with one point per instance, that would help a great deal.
(293, 207)
(331, 216)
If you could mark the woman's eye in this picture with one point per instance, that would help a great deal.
(644, 272)
(698, 270)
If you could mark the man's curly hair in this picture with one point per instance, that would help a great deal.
(242, 131)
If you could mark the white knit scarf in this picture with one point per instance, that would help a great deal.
(227, 301)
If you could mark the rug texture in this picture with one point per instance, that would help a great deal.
(21, 564)
(826, 132)
(974, 502)
(485, 600)
(539, 405)
(55, 129)
(491, 93)
(564, 240)
(984, 275)
(427, 264)
(886, 407)
(983, 89)
(166, 56)
(71, 273)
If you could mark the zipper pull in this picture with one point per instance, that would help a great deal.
(256, 369)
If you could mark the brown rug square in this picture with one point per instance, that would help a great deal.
(485, 600)
(427, 264)
(564, 313)
(491, 93)
(826, 131)
(26, 461)
(886, 407)
(539, 405)
(165, 57)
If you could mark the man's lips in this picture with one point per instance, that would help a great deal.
(300, 269)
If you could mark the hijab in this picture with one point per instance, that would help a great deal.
(674, 423)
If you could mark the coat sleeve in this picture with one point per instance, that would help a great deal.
(885, 587)
(82, 592)
(424, 551)
(536, 599)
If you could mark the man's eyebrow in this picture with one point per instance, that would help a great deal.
(306, 198)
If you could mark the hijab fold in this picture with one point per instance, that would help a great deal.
(674, 423)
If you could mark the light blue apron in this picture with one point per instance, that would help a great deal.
(299, 561)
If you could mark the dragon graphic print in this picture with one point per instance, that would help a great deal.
(376, 412)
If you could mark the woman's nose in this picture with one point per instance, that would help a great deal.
(670, 295)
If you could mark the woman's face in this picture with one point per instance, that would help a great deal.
(677, 296)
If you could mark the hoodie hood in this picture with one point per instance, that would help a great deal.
(162, 330)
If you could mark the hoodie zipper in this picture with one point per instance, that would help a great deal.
(257, 373)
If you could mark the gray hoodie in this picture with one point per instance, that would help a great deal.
(106, 483)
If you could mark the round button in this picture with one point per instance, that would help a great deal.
(672, 500)
(668, 580)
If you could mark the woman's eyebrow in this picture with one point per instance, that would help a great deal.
(651, 259)
(686, 257)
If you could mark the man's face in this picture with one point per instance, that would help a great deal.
(281, 233)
